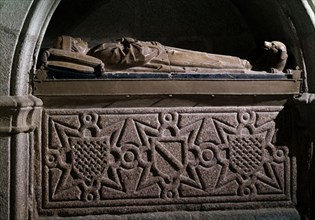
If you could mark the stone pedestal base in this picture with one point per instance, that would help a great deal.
(260, 214)
(128, 160)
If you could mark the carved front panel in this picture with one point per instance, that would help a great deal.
(129, 160)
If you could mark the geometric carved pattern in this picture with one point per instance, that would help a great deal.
(89, 157)
(246, 153)
(126, 160)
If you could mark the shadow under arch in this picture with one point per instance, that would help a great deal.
(41, 12)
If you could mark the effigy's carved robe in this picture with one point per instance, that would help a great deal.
(128, 54)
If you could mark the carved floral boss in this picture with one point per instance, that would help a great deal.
(166, 157)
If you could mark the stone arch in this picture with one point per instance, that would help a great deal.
(22, 27)
(29, 41)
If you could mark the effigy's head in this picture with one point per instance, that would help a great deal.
(71, 44)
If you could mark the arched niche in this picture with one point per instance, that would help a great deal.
(252, 24)
(229, 27)
(29, 38)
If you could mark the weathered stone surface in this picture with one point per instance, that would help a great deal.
(260, 214)
(135, 160)
(12, 16)
(4, 180)
(19, 114)
(13, 10)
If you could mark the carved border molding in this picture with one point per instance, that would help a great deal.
(148, 159)
(19, 114)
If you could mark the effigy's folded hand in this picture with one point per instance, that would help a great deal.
(125, 53)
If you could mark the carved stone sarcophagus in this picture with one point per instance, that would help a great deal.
(123, 160)
(134, 141)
